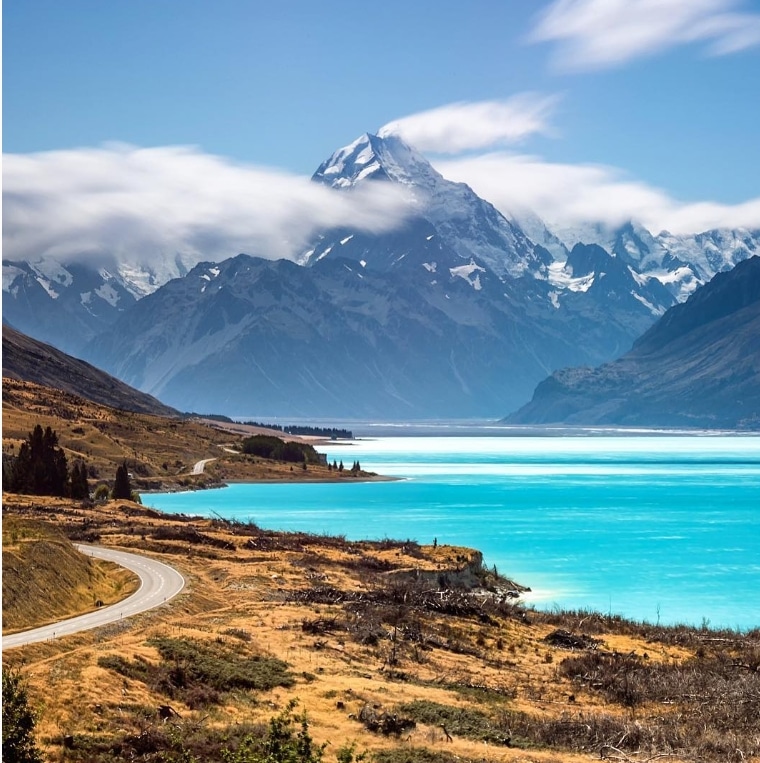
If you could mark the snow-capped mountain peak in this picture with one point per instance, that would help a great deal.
(463, 224)
(371, 157)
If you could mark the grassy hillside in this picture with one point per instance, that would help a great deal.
(46, 579)
(27, 359)
(159, 451)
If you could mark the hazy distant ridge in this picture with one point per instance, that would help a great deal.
(699, 366)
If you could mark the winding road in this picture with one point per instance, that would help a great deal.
(158, 584)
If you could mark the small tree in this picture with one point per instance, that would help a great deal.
(18, 722)
(122, 488)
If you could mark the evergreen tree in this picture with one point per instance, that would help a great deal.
(79, 488)
(122, 488)
(40, 468)
(18, 722)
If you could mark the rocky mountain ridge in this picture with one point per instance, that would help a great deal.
(698, 366)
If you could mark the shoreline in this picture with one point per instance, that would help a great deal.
(307, 481)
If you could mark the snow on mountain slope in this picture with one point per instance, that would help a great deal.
(67, 304)
(465, 225)
(679, 262)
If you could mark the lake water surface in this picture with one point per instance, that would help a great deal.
(657, 528)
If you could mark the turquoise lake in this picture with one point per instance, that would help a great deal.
(657, 528)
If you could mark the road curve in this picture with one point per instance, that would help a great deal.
(158, 584)
(200, 466)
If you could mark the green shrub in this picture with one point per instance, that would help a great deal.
(197, 672)
(268, 446)
(458, 721)
(18, 722)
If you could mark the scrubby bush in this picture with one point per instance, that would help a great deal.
(102, 493)
(196, 672)
(18, 722)
(268, 446)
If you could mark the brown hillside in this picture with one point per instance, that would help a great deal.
(46, 579)
(28, 359)
(159, 451)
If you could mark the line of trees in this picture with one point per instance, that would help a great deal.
(269, 446)
(41, 468)
(304, 429)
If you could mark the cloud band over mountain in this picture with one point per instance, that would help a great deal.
(138, 204)
(459, 127)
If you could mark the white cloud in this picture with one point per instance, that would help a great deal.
(142, 204)
(601, 33)
(569, 194)
(459, 127)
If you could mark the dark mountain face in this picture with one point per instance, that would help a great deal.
(27, 359)
(251, 335)
(699, 366)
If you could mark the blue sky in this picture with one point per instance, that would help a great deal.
(645, 108)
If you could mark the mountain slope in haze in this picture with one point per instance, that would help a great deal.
(249, 336)
(698, 366)
(26, 359)
(67, 304)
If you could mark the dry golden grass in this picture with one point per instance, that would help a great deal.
(45, 579)
(160, 452)
(246, 597)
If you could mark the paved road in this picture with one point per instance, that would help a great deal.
(201, 465)
(158, 583)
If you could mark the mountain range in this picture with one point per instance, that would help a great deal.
(698, 366)
(459, 311)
